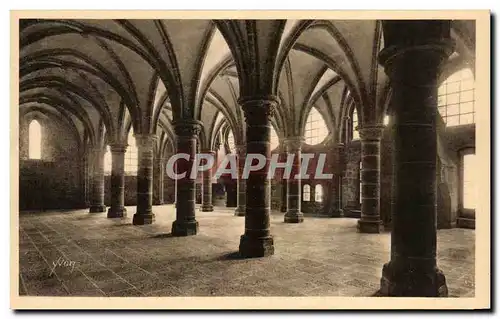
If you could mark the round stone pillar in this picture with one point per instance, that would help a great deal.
(257, 240)
(206, 199)
(117, 209)
(242, 192)
(412, 58)
(97, 198)
(336, 210)
(144, 213)
(158, 177)
(283, 207)
(185, 223)
(293, 197)
(370, 221)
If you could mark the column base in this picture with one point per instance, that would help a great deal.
(352, 213)
(207, 208)
(97, 209)
(143, 219)
(370, 226)
(184, 228)
(335, 213)
(158, 202)
(294, 217)
(251, 247)
(239, 211)
(117, 212)
(408, 281)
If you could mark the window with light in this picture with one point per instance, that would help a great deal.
(131, 155)
(306, 193)
(316, 130)
(318, 193)
(230, 141)
(35, 140)
(274, 139)
(107, 161)
(355, 123)
(456, 98)
(469, 181)
(360, 183)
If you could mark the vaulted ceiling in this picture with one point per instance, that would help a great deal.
(106, 76)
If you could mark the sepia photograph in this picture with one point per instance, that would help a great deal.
(310, 156)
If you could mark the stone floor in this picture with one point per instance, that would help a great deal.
(80, 254)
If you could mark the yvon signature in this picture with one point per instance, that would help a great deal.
(62, 262)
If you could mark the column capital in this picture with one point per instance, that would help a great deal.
(258, 107)
(293, 143)
(118, 147)
(146, 141)
(414, 49)
(187, 128)
(371, 133)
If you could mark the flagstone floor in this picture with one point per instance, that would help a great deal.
(80, 254)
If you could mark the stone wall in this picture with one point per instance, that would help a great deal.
(57, 179)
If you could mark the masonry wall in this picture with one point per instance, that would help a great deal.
(57, 180)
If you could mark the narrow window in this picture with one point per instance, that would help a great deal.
(131, 155)
(306, 193)
(318, 193)
(35, 140)
(355, 123)
(107, 161)
(469, 181)
(360, 183)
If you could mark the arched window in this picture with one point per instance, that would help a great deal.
(469, 175)
(456, 98)
(274, 139)
(230, 141)
(316, 130)
(306, 193)
(355, 123)
(386, 120)
(107, 161)
(131, 155)
(35, 140)
(360, 183)
(318, 193)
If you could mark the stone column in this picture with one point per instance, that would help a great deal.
(293, 197)
(284, 191)
(413, 54)
(242, 189)
(336, 210)
(257, 240)
(158, 177)
(347, 129)
(370, 221)
(144, 213)
(117, 208)
(185, 223)
(97, 199)
(206, 200)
